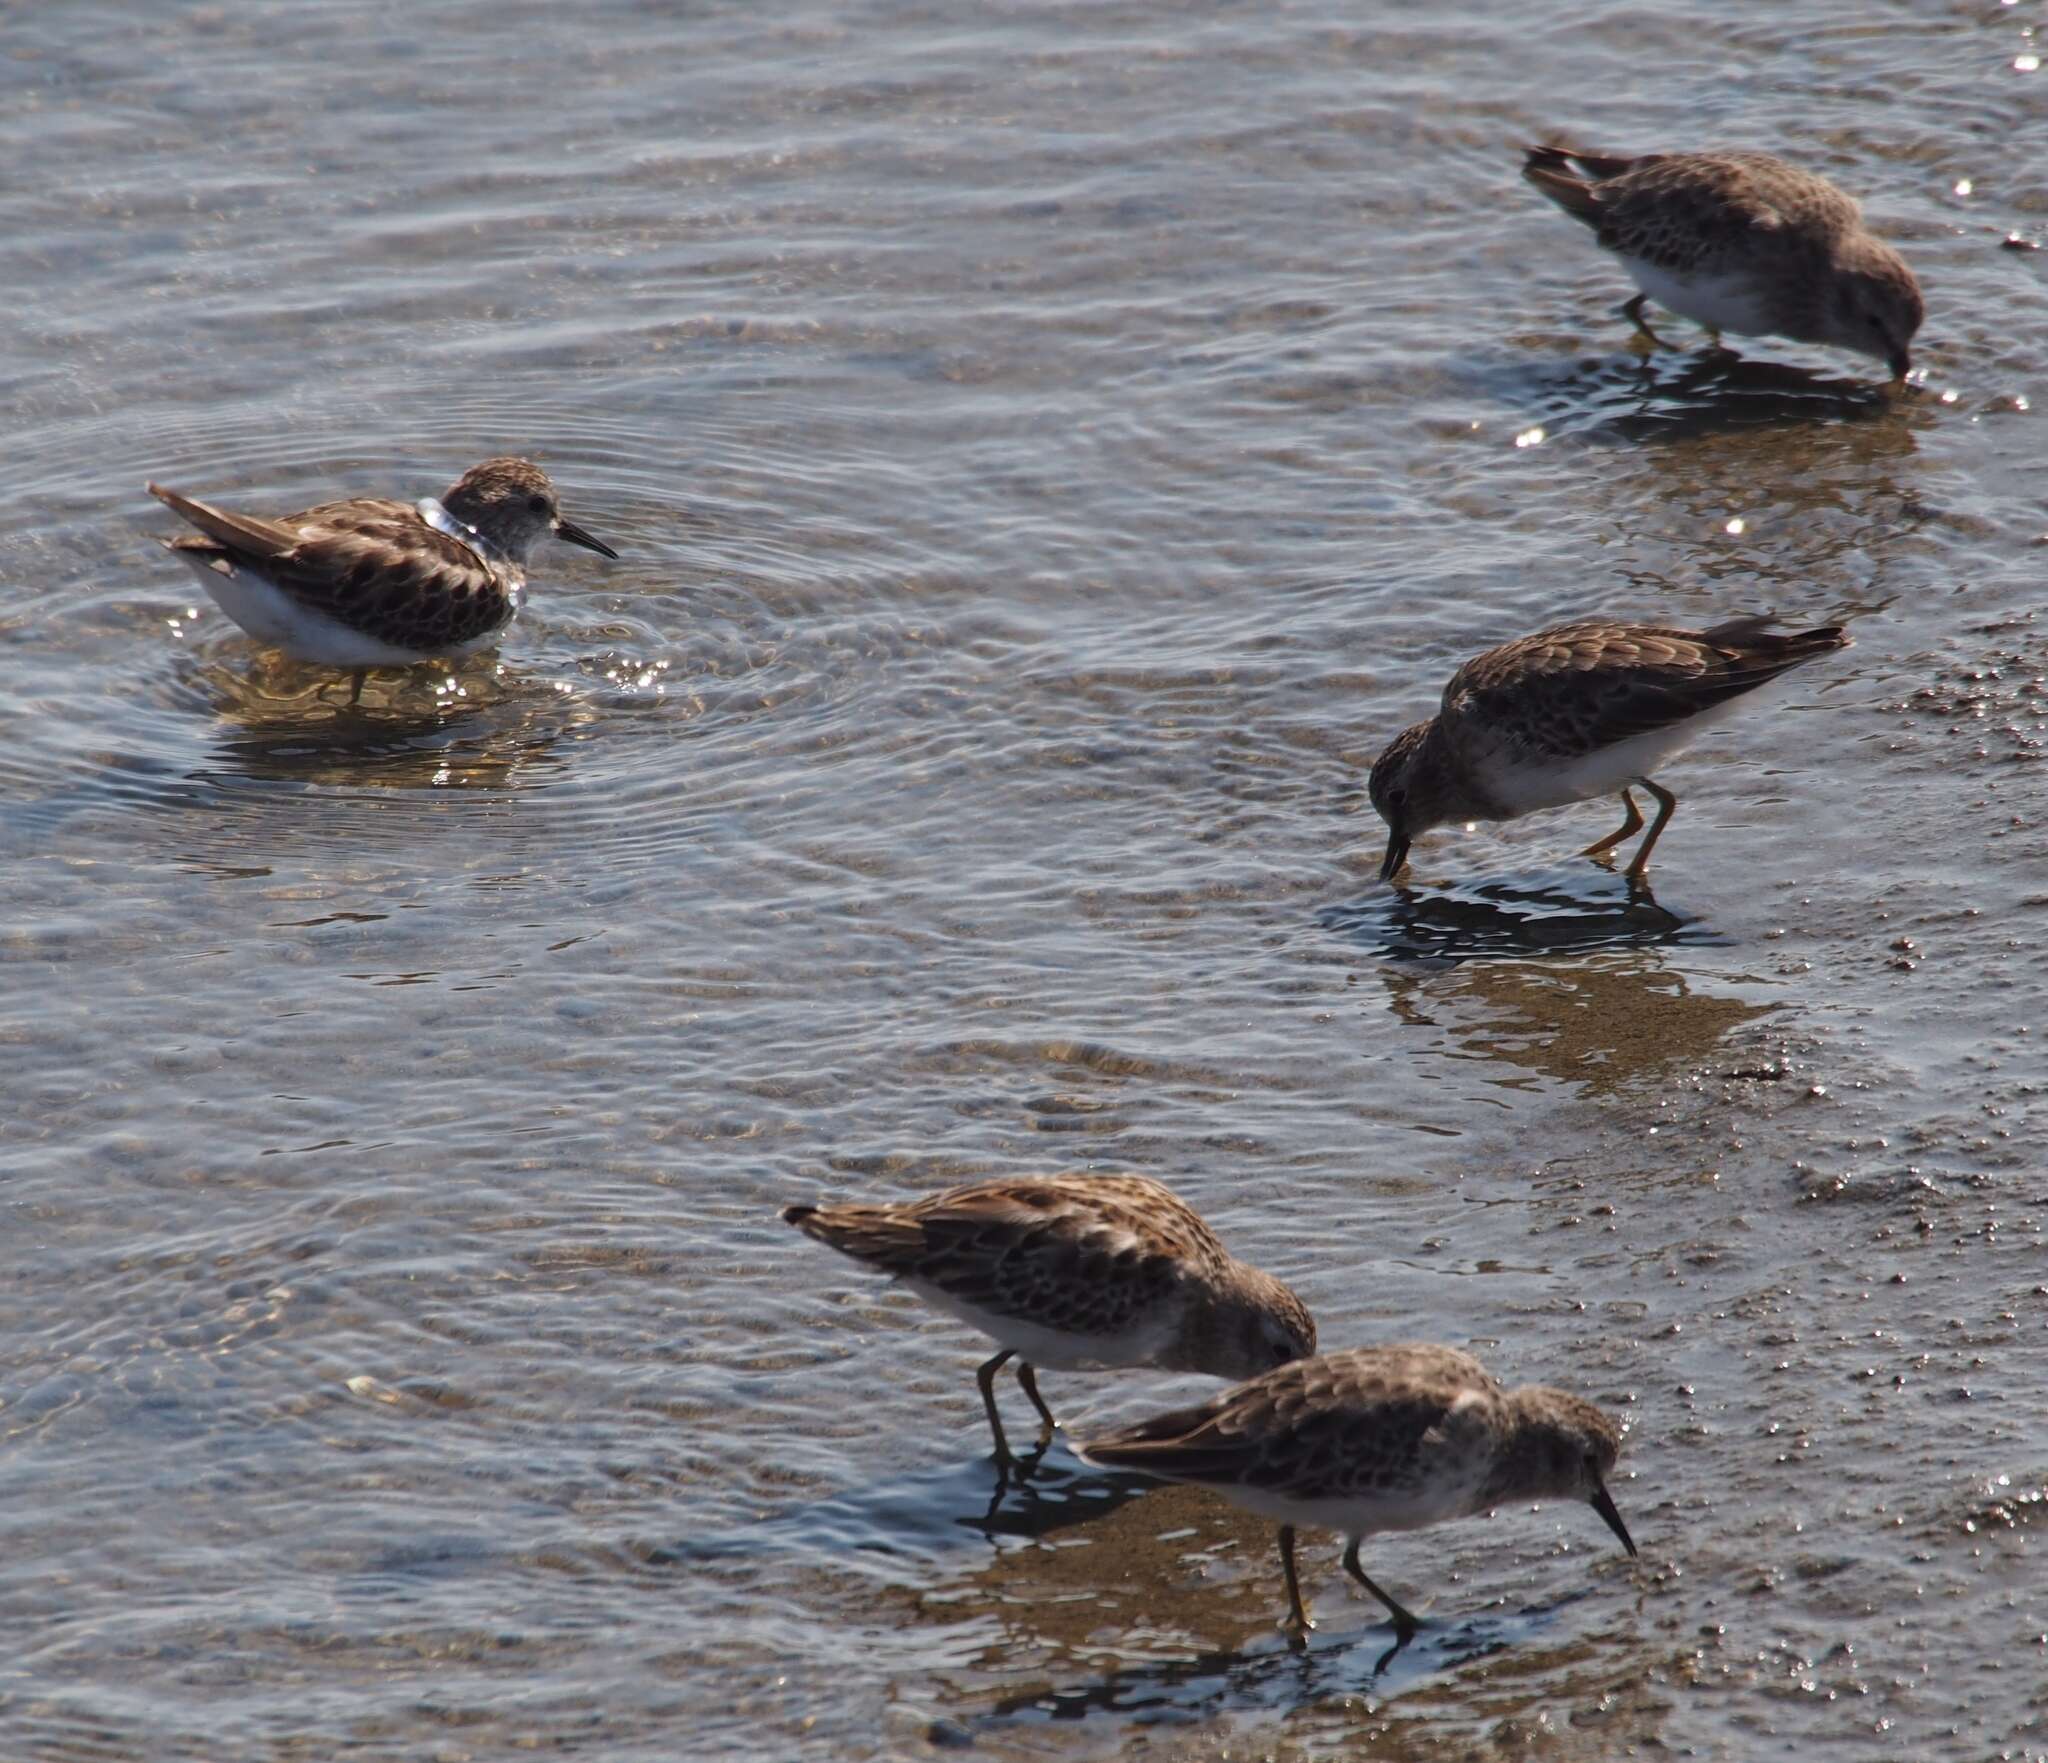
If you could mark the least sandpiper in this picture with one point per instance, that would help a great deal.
(1579, 711)
(1375, 1439)
(1074, 1272)
(1741, 242)
(376, 583)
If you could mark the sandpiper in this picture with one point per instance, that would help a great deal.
(1740, 242)
(376, 583)
(1375, 1439)
(1578, 711)
(1074, 1272)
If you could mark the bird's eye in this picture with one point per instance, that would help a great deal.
(537, 504)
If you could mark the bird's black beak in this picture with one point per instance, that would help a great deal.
(569, 530)
(1603, 1503)
(1901, 364)
(1397, 854)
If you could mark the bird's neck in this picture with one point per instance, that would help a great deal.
(1451, 779)
(436, 514)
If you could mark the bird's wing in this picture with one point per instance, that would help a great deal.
(1334, 1425)
(241, 534)
(371, 564)
(1671, 209)
(1046, 1250)
(1580, 687)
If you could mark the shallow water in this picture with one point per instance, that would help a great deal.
(1051, 452)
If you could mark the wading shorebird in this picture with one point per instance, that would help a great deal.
(1377, 1439)
(1740, 242)
(1577, 711)
(376, 583)
(1075, 1272)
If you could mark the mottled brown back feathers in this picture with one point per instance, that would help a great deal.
(1648, 676)
(370, 564)
(1086, 1253)
(1679, 209)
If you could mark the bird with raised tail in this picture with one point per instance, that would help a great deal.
(371, 582)
(1075, 1272)
(1377, 1439)
(1740, 242)
(1577, 711)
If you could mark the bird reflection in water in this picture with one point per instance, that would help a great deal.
(1714, 391)
(1278, 1676)
(921, 1515)
(1570, 982)
(436, 731)
(1561, 912)
(1032, 1499)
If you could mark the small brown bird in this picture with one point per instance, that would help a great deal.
(1578, 711)
(1075, 1272)
(1741, 242)
(375, 583)
(1377, 1439)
